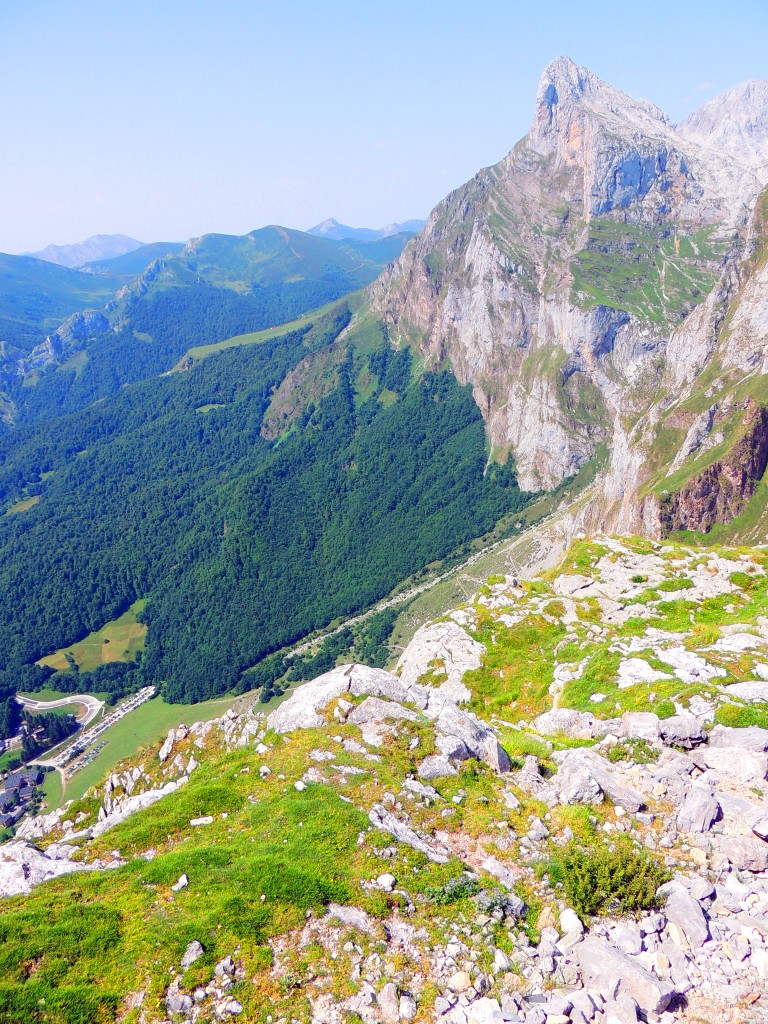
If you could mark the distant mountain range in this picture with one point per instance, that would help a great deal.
(100, 248)
(97, 247)
(332, 229)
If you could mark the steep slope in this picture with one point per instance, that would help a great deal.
(202, 492)
(36, 296)
(165, 299)
(572, 283)
(372, 849)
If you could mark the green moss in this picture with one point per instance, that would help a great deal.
(740, 716)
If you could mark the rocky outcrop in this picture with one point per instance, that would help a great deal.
(442, 649)
(23, 866)
(719, 493)
(459, 735)
(67, 339)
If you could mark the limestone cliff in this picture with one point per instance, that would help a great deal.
(584, 284)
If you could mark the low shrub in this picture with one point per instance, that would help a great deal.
(602, 878)
(455, 889)
(638, 751)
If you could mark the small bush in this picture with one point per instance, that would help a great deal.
(665, 708)
(676, 583)
(454, 890)
(743, 580)
(638, 751)
(602, 879)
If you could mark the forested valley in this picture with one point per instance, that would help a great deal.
(243, 545)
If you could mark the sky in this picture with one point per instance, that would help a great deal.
(167, 119)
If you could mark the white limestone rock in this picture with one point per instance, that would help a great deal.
(23, 866)
(636, 670)
(612, 972)
(579, 725)
(445, 649)
(752, 691)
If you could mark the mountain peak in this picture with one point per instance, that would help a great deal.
(566, 86)
(97, 247)
(734, 123)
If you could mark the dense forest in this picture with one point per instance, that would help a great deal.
(175, 320)
(241, 544)
(45, 730)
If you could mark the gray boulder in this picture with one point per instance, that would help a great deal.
(192, 953)
(641, 725)
(436, 766)
(699, 811)
(748, 766)
(575, 784)
(374, 709)
(682, 731)
(744, 853)
(614, 973)
(583, 772)
(751, 738)
(579, 725)
(686, 920)
(389, 1005)
(449, 645)
(376, 682)
(383, 819)
(476, 736)
(302, 709)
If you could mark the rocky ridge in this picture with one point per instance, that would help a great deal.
(643, 667)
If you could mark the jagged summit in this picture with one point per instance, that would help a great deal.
(565, 85)
(602, 252)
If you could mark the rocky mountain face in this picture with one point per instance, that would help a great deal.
(600, 288)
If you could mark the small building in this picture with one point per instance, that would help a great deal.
(8, 800)
(28, 778)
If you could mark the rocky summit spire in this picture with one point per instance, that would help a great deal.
(566, 89)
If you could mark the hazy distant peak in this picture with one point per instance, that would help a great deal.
(331, 228)
(97, 247)
(735, 122)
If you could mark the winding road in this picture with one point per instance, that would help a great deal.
(91, 704)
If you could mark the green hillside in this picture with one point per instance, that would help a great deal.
(243, 539)
(131, 264)
(35, 296)
(215, 288)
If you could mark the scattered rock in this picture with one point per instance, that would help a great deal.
(682, 731)
(383, 819)
(192, 953)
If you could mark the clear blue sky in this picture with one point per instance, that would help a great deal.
(164, 119)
